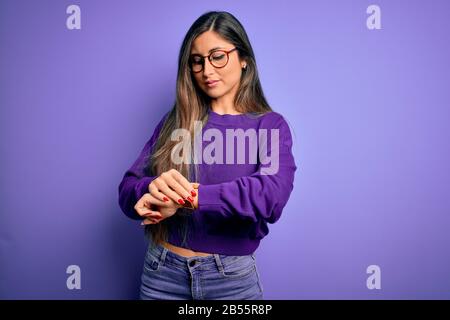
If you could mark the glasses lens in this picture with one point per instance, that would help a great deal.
(196, 63)
(219, 59)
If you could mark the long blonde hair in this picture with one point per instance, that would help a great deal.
(192, 104)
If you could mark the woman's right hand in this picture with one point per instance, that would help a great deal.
(172, 185)
(154, 210)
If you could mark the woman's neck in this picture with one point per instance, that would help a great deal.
(223, 108)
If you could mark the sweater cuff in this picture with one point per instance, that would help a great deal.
(141, 187)
(210, 200)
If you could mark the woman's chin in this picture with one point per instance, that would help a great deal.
(213, 94)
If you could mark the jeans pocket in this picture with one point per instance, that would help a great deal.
(261, 288)
(151, 262)
(237, 266)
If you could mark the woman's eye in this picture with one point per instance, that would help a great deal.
(218, 57)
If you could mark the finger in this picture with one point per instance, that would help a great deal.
(153, 215)
(158, 195)
(140, 207)
(178, 188)
(194, 190)
(144, 211)
(150, 209)
(164, 188)
(143, 206)
(184, 183)
(154, 200)
(152, 203)
(148, 221)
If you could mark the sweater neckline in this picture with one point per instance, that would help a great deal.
(217, 118)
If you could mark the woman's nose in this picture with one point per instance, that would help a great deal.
(207, 67)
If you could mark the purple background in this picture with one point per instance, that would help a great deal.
(369, 111)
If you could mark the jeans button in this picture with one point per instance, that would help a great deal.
(154, 265)
(192, 263)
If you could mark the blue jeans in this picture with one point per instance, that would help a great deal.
(169, 276)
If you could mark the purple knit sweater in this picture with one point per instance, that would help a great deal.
(237, 199)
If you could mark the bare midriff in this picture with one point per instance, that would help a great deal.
(183, 251)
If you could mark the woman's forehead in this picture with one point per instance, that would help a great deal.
(207, 42)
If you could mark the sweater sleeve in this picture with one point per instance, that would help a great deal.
(135, 183)
(259, 197)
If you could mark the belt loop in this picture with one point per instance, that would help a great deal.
(218, 262)
(163, 255)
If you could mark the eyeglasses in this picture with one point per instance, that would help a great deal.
(218, 58)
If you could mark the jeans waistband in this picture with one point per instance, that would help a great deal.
(212, 261)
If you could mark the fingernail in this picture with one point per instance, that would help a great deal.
(165, 199)
(190, 199)
(193, 193)
(180, 201)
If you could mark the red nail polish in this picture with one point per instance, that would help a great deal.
(193, 193)
(165, 199)
(180, 201)
(190, 199)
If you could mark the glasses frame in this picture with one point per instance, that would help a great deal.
(227, 52)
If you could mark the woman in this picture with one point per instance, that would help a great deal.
(206, 214)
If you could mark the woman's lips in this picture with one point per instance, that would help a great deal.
(212, 83)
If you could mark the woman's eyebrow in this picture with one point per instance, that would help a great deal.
(210, 50)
